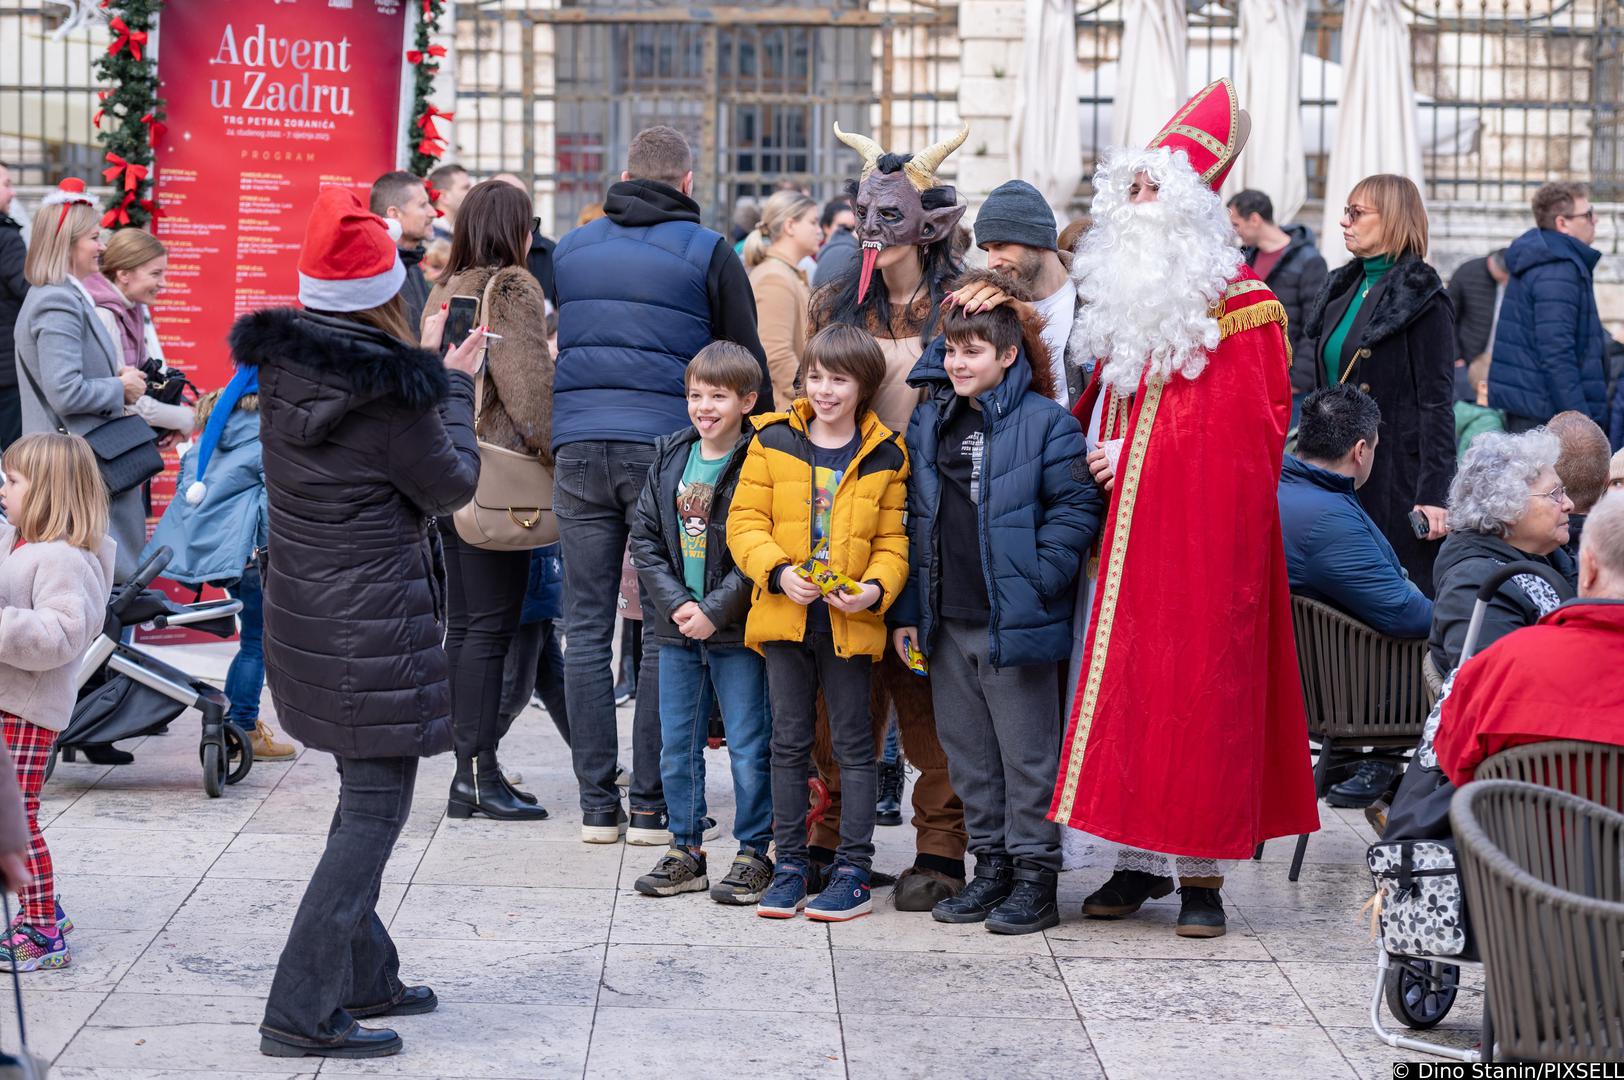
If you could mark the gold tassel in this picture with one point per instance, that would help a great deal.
(1252, 317)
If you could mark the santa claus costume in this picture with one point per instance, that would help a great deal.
(1187, 742)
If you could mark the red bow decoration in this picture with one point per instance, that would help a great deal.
(430, 148)
(151, 207)
(133, 39)
(415, 56)
(426, 121)
(120, 214)
(427, 9)
(133, 173)
(156, 129)
(434, 193)
(101, 95)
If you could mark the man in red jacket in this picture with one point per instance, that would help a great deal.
(1555, 679)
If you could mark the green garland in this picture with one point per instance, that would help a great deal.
(423, 136)
(130, 112)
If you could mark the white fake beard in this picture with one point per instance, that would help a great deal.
(1149, 273)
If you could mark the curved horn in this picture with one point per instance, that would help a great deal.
(864, 145)
(921, 168)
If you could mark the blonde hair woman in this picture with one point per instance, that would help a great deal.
(71, 370)
(787, 233)
(132, 274)
(1383, 323)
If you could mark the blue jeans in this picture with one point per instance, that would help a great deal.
(245, 678)
(689, 675)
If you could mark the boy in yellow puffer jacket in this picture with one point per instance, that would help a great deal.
(826, 481)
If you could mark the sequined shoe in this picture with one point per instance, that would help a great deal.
(32, 949)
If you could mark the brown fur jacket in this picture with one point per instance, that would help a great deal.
(516, 412)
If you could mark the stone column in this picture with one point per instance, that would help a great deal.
(990, 33)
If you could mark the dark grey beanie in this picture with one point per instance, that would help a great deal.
(1015, 213)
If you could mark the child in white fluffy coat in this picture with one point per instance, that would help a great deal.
(56, 568)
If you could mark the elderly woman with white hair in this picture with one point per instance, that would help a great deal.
(1506, 504)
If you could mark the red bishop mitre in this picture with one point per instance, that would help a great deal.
(1211, 129)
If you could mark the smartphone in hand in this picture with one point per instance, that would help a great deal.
(1420, 525)
(459, 323)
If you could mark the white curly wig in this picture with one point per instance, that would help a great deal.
(1490, 491)
(1149, 273)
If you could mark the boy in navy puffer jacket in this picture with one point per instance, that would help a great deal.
(1001, 511)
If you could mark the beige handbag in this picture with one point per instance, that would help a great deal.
(512, 507)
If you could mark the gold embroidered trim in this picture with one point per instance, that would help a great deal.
(1109, 587)
(1250, 318)
(1241, 288)
(1108, 429)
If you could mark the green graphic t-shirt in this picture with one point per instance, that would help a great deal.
(694, 494)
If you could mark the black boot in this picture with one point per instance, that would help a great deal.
(106, 754)
(1031, 906)
(990, 887)
(888, 807)
(518, 793)
(482, 790)
(1369, 783)
(1125, 893)
(1201, 913)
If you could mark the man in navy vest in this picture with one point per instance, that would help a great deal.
(640, 291)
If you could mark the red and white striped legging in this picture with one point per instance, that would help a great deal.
(30, 747)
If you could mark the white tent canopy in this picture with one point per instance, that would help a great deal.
(1153, 45)
(1378, 132)
(1268, 80)
(1043, 146)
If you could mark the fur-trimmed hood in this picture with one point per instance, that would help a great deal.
(1034, 352)
(1403, 294)
(342, 365)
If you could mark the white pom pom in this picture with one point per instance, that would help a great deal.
(195, 492)
(394, 227)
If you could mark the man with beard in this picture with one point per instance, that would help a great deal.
(1188, 743)
(1016, 228)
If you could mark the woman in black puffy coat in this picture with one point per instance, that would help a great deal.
(366, 438)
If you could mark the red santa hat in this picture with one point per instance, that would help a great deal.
(1211, 129)
(68, 193)
(349, 261)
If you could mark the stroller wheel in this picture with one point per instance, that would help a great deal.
(214, 768)
(1421, 992)
(239, 753)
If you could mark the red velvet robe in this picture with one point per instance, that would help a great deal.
(1187, 732)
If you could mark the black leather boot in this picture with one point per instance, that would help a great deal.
(888, 807)
(1125, 893)
(518, 793)
(990, 887)
(1031, 906)
(480, 789)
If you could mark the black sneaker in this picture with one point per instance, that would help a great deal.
(1201, 913)
(888, 806)
(603, 826)
(680, 870)
(990, 887)
(1031, 906)
(1125, 893)
(649, 828)
(746, 881)
(1369, 783)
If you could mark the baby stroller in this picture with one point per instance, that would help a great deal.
(125, 693)
(1425, 931)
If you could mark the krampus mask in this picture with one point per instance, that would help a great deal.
(898, 201)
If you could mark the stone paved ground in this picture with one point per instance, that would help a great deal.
(547, 964)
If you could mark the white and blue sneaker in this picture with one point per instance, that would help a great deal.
(786, 896)
(845, 897)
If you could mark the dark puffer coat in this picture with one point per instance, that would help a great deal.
(1550, 351)
(1296, 280)
(1466, 562)
(365, 439)
(1040, 513)
(1400, 351)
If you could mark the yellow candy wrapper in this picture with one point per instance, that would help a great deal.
(916, 659)
(826, 578)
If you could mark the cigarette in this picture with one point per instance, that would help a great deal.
(488, 336)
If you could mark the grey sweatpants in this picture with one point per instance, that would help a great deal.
(1001, 730)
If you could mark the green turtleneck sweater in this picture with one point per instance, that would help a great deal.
(1332, 357)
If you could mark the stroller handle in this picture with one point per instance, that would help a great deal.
(1486, 592)
(125, 594)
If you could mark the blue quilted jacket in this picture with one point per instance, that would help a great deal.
(1550, 351)
(1041, 513)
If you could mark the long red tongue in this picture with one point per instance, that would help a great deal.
(870, 255)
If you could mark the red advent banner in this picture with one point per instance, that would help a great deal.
(268, 102)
